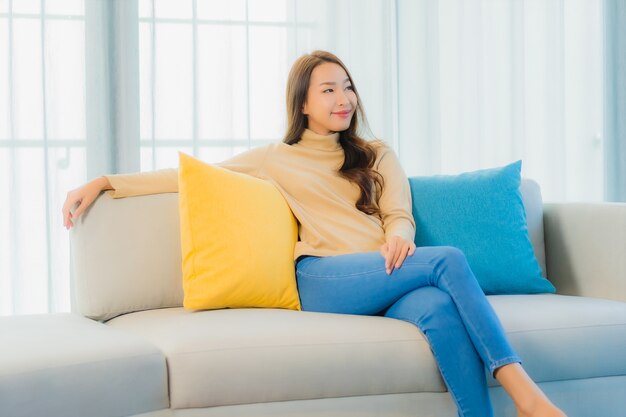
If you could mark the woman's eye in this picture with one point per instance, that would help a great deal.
(330, 89)
(350, 87)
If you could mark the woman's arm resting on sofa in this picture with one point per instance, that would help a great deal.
(586, 248)
(143, 183)
(116, 186)
(166, 180)
(81, 198)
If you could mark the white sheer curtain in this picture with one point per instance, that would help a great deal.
(42, 148)
(89, 87)
(486, 82)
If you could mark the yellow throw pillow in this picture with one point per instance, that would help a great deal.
(237, 239)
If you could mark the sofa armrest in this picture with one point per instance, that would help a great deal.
(125, 256)
(586, 248)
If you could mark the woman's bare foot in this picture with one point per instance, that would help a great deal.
(529, 400)
(541, 407)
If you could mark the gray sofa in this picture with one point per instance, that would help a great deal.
(129, 348)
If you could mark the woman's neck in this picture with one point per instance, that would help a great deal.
(311, 139)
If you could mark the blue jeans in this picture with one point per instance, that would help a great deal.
(434, 289)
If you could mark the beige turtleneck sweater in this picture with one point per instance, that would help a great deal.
(323, 202)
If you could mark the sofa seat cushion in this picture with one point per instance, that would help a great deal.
(563, 337)
(240, 356)
(67, 365)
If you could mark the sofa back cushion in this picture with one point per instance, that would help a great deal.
(125, 254)
(533, 205)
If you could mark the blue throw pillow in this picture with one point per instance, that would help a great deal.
(482, 214)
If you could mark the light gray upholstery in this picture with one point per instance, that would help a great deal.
(561, 337)
(66, 365)
(244, 356)
(126, 256)
(427, 404)
(586, 248)
(265, 355)
(531, 197)
(589, 397)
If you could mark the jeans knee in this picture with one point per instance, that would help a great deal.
(421, 303)
(453, 253)
(453, 256)
(451, 265)
(437, 300)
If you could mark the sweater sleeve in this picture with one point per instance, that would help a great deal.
(143, 183)
(166, 180)
(395, 201)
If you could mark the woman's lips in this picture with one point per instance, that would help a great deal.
(343, 115)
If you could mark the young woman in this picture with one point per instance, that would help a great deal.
(355, 252)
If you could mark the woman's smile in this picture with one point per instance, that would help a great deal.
(343, 114)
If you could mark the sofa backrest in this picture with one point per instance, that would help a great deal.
(125, 253)
(533, 204)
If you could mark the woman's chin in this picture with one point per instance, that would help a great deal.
(339, 127)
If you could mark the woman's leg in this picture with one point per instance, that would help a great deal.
(529, 400)
(358, 284)
(436, 315)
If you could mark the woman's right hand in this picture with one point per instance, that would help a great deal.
(83, 196)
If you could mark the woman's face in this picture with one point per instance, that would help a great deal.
(331, 101)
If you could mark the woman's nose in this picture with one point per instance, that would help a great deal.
(342, 98)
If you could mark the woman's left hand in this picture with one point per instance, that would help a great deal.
(395, 251)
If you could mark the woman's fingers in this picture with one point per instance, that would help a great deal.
(79, 209)
(396, 256)
(407, 250)
(391, 253)
(67, 206)
(69, 217)
(402, 255)
(397, 249)
(85, 202)
(395, 252)
(79, 200)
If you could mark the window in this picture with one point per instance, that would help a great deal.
(203, 66)
(42, 148)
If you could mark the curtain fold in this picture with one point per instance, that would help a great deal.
(112, 87)
(615, 99)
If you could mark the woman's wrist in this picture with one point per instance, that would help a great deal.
(103, 183)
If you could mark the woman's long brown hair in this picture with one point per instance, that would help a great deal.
(360, 154)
